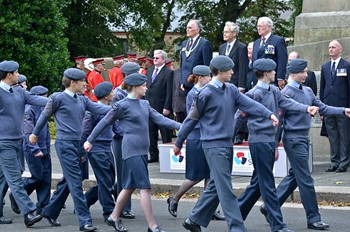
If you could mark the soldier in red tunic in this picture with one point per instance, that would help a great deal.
(115, 74)
(95, 77)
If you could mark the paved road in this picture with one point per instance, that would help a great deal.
(293, 213)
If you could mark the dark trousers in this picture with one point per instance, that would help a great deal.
(299, 175)
(153, 138)
(262, 183)
(40, 180)
(10, 173)
(338, 135)
(91, 195)
(69, 155)
(103, 165)
(219, 189)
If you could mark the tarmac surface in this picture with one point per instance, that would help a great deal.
(330, 187)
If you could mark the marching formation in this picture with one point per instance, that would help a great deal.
(256, 93)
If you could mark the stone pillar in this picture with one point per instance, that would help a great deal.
(320, 22)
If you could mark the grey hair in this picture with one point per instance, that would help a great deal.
(234, 27)
(267, 21)
(198, 24)
(164, 55)
(250, 44)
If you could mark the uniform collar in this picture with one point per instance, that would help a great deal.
(263, 85)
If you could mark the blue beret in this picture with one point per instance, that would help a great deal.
(21, 78)
(222, 63)
(296, 65)
(130, 68)
(74, 74)
(201, 70)
(103, 89)
(135, 79)
(265, 65)
(39, 90)
(9, 66)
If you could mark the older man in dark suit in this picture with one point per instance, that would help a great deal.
(335, 91)
(271, 47)
(159, 94)
(238, 53)
(195, 50)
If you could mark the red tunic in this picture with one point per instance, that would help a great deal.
(115, 77)
(142, 71)
(94, 78)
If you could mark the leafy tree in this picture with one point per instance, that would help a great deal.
(89, 24)
(148, 22)
(32, 35)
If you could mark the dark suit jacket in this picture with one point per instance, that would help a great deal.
(201, 55)
(239, 56)
(179, 97)
(160, 91)
(311, 81)
(251, 78)
(335, 91)
(277, 52)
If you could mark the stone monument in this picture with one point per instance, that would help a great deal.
(320, 22)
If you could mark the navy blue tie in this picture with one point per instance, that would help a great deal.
(333, 70)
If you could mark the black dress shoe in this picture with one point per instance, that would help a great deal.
(127, 215)
(87, 227)
(191, 226)
(53, 222)
(30, 219)
(320, 225)
(4, 220)
(264, 212)
(172, 206)
(117, 225)
(331, 169)
(157, 229)
(339, 170)
(218, 216)
(14, 205)
(153, 160)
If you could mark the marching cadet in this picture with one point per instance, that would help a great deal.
(95, 77)
(69, 109)
(131, 111)
(197, 168)
(214, 110)
(37, 155)
(295, 139)
(22, 83)
(100, 157)
(263, 143)
(12, 105)
(119, 94)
